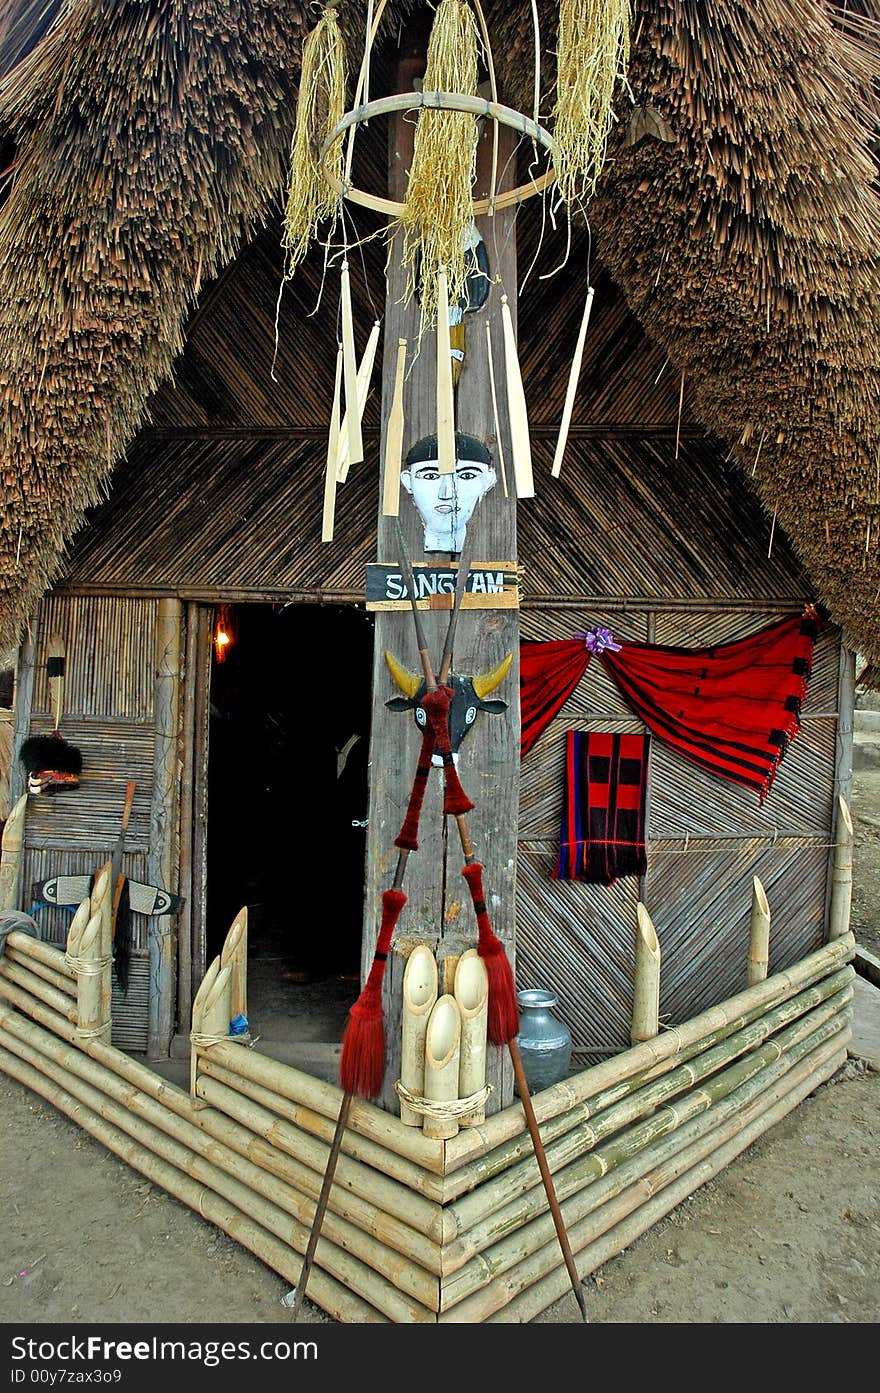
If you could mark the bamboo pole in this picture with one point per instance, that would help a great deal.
(314, 1124)
(336, 1297)
(493, 1298)
(10, 857)
(419, 996)
(394, 440)
(62, 983)
(352, 418)
(45, 953)
(334, 454)
(584, 1186)
(543, 1286)
(181, 1141)
(90, 984)
(22, 976)
(235, 951)
(216, 1007)
(690, 1037)
(471, 991)
(646, 983)
(380, 1206)
(442, 1052)
(325, 1098)
(197, 1026)
(78, 925)
(512, 1168)
(841, 876)
(759, 935)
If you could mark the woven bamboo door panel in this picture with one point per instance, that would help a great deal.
(109, 680)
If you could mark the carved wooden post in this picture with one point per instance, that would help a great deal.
(438, 910)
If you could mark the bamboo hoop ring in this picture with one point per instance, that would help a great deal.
(439, 101)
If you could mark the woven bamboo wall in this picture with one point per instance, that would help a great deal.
(110, 673)
(677, 530)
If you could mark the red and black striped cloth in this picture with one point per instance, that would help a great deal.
(603, 815)
(732, 709)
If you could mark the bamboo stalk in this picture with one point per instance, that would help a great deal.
(542, 1286)
(520, 445)
(512, 1168)
(255, 1192)
(315, 1124)
(91, 993)
(646, 984)
(336, 1297)
(22, 976)
(841, 876)
(217, 1005)
(235, 951)
(442, 1051)
(583, 1187)
(379, 1206)
(394, 440)
(419, 996)
(571, 389)
(444, 398)
(692, 1035)
(328, 516)
(198, 1022)
(45, 953)
(10, 858)
(471, 992)
(759, 935)
(365, 1117)
(495, 1298)
(364, 374)
(78, 925)
(354, 448)
(61, 982)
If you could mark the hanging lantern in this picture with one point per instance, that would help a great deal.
(224, 632)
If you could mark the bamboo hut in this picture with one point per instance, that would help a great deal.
(170, 513)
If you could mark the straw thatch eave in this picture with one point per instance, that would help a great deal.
(151, 137)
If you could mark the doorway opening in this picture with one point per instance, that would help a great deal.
(287, 807)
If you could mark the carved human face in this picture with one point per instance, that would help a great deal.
(446, 502)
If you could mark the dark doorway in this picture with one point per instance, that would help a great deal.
(287, 786)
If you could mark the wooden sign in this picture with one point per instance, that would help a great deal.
(490, 585)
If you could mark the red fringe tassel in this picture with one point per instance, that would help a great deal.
(503, 1021)
(362, 1062)
(408, 836)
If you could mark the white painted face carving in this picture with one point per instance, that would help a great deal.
(446, 502)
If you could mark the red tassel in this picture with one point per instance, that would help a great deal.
(362, 1062)
(408, 836)
(436, 707)
(503, 1020)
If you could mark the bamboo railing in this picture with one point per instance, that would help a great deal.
(421, 1229)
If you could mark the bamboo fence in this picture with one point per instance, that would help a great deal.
(421, 1230)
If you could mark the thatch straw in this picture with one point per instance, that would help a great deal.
(320, 106)
(438, 208)
(593, 51)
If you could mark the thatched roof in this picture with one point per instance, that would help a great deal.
(152, 136)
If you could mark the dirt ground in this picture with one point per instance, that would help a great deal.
(789, 1233)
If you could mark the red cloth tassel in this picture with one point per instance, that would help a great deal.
(436, 707)
(503, 1020)
(408, 836)
(362, 1062)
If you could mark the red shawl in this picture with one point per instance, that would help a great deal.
(733, 708)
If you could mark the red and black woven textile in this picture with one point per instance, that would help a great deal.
(732, 709)
(602, 835)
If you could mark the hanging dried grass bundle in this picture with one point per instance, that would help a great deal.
(438, 208)
(320, 106)
(592, 52)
